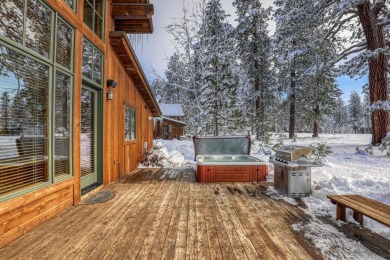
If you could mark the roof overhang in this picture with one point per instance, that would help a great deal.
(173, 121)
(122, 47)
(132, 16)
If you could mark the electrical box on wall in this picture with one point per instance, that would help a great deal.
(145, 145)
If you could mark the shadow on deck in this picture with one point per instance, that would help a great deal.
(164, 213)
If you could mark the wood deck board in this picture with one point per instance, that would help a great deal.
(164, 214)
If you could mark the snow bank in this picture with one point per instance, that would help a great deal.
(170, 154)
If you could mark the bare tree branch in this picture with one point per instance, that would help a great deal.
(377, 8)
(333, 30)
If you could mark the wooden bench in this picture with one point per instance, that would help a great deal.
(361, 206)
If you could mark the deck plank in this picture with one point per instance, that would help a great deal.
(191, 252)
(181, 237)
(165, 214)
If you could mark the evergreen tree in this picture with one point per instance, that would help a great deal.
(176, 85)
(341, 115)
(253, 45)
(355, 111)
(312, 90)
(5, 106)
(367, 22)
(219, 79)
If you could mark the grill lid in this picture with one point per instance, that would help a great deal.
(293, 152)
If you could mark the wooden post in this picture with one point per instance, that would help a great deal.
(340, 212)
(358, 217)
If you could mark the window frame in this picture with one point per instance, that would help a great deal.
(90, 81)
(74, 7)
(128, 123)
(91, 3)
(22, 49)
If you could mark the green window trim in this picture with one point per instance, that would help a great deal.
(53, 69)
(92, 64)
(93, 16)
(72, 4)
(130, 124)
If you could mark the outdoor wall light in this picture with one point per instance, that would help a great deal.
(110, 95)
(112, 83)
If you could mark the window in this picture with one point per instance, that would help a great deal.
(38, 27)
(32, 31)
(11, 19)
(62, 124)
(130, 124)
(24, 121)
(71, 3)
(93, 16)
(64, 44)
(35, 96)
(92, 68)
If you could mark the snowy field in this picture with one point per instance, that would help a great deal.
(346, 171)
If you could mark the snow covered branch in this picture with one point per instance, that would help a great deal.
(378, 105)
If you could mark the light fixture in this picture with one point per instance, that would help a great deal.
(110, 95)
(112, 83)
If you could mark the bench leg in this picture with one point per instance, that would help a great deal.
(340, 213)
(358, 217)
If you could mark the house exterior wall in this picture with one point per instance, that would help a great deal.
(22, 213)
(177, 130)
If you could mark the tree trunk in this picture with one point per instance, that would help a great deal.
(291, 130)
(256, 88)
(316, 126)
(377, 68)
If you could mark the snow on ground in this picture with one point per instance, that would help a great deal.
(173, 153)
(345, 171)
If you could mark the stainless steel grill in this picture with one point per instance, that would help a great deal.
(292, 170)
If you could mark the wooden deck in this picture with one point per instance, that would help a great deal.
(165, 214)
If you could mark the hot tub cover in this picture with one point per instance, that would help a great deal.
(232, 145)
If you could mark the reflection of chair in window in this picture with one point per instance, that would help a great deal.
(61, 155)
(27, 168)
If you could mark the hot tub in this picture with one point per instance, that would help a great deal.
(230, 168)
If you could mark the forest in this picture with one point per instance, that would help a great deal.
(234, 79)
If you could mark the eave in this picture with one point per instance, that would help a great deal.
(173, 121)
(122, 47)
(132, 16)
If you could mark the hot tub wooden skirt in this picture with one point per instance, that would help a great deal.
(232, 173)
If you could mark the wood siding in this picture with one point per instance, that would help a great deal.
(177, 130)
(20, 215)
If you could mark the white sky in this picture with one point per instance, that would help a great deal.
(154, 49)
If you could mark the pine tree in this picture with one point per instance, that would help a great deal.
(254, 54)
(176, 85)
(355, 111)
(5, 106)
(341, 115)
(368, 40)
(313, 91)
(219, 78)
